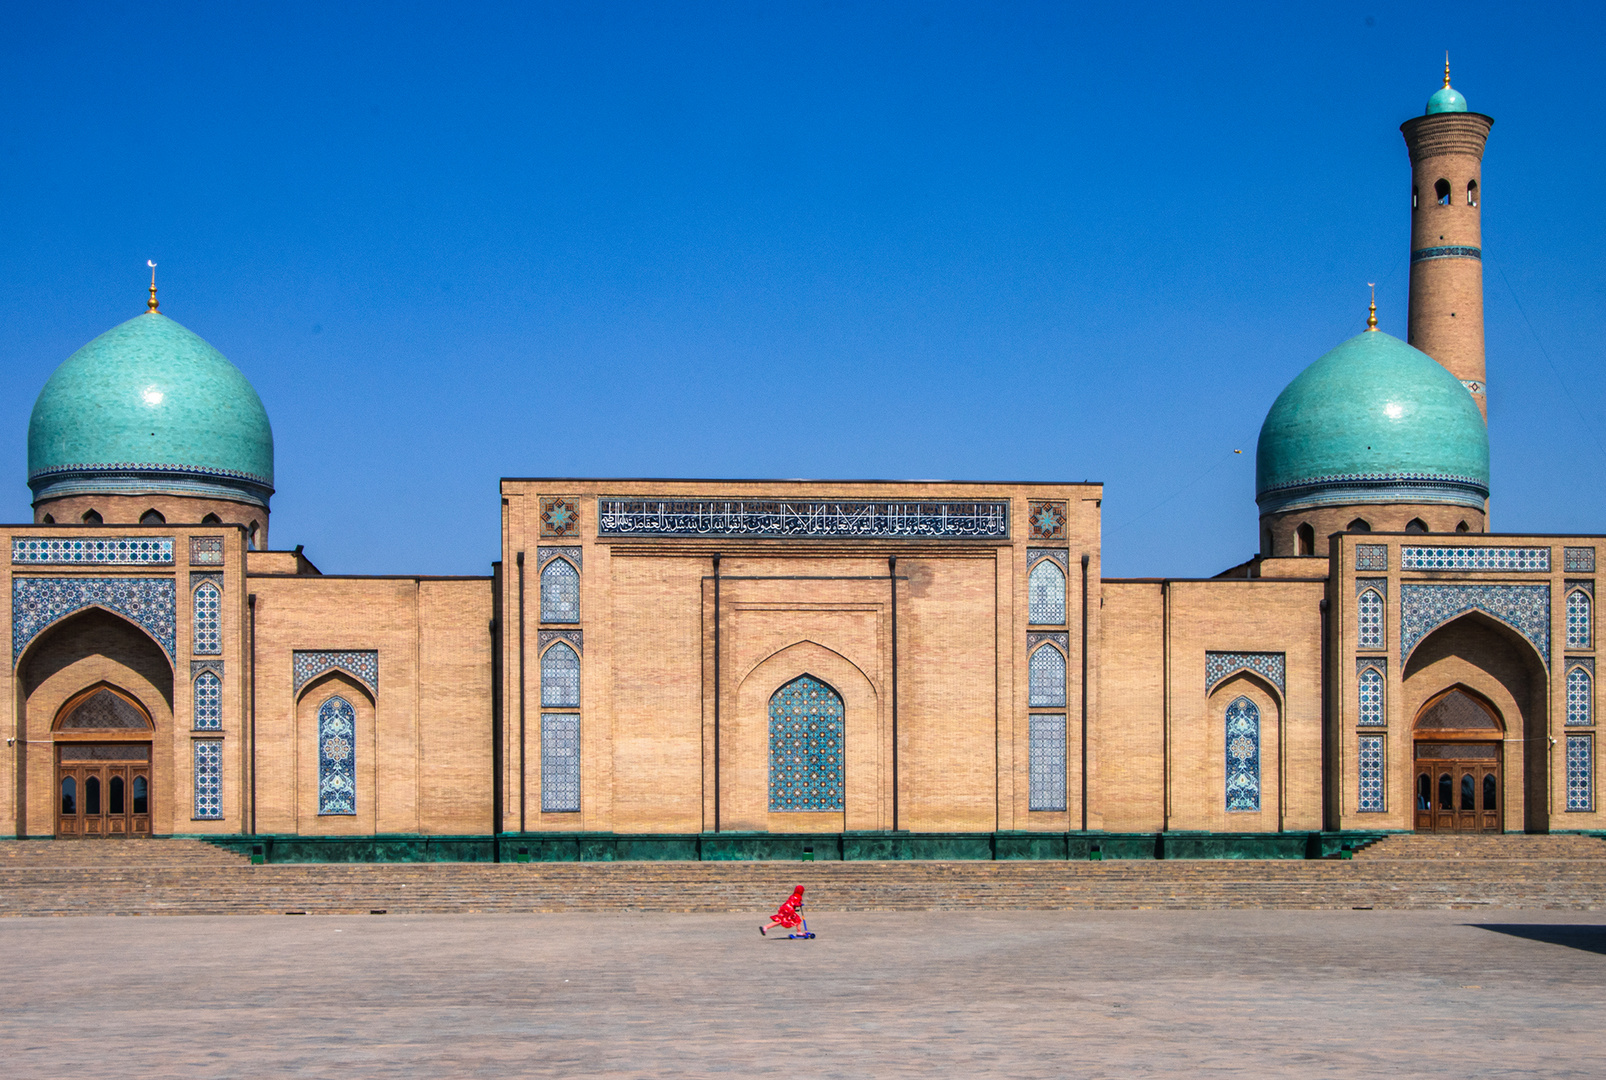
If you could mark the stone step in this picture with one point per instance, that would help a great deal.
(1484, 846)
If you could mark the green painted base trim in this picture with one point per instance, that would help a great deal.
(793, 847)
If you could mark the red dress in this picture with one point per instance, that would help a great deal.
(788, 915)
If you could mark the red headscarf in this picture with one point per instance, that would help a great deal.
(788, 915)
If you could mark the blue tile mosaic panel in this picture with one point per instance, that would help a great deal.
(1370, 798)
(1045, 592)
(360, 664)
(337, 757)
(560, 763)
(1045, 748)
(1579, 623)
(1525, 608)
(1370, 684)
(784, 519)
(1269, 665)
(543, 638)
(1580, 696)
(149, 603)
(1243, 755)
(79, 551)
(206, 551)
(208, 623)
(807, 735)
(208, 702)
(560, 592)
(1475, 558)
(1371, 556)
(1580, 773)
(208, 779)
(1578, 560)
(545, 555)
(1045, 681)
(1369, 616)
(560, 677)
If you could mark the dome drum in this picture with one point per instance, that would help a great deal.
(64, 481)
(1351, 490)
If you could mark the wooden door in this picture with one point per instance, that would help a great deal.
(1458, 787)
(103, 790)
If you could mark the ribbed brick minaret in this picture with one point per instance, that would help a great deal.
(1446, 308)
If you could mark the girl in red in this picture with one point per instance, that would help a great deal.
(790, 914)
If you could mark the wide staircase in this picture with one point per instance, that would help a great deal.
(189, 877)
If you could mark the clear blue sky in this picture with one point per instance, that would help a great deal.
(836, 240)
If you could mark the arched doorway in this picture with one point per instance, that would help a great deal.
(1457, 784)
(102, 741)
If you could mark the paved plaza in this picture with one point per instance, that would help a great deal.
(1015, 994)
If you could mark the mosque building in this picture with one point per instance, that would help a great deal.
(788, 669)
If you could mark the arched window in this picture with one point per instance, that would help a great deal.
(1369, 616)
(142, 795)
(1416, 525)
(1045, 683)
(1243, 755)
(1268, 545)
(1463, 527)
(49, 519)
(208, 702)
(152, 516)
(1359, 525)
(1580, 696)
(1371, 691)
(807, 735)
(1472, 193)
(1441, 188)
(1414, 194)
(92, 517)
(1045, 590)
(208, 627)
(92, 795)
(1305, 540)
(1491, 792)
(211, 519)
(560, 677)
(252, 539)
(1578, 621)
(114, 795)
(560, 592)
(69, 795)
(337, 757)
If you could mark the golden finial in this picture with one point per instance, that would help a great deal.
(1447, 68)
(150, 305)
(1371, 318)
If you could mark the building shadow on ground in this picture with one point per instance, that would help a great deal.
(1588, 938)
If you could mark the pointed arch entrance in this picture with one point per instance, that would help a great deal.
(1458, 785)
(103, 765)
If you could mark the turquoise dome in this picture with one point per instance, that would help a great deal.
(1372, 421)
(150, 407)
(1446, 99)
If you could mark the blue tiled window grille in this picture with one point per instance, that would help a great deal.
(208, 620)
(1046, 762)
(1045, 683)
(337, 757)
(1371, 775)
(1243, 755)
(807, 738)
(560, 677)
(560, 763)
(1371, 691)
(1475, 558)
(1045, 590)
(560, 592)
(208, 702)
(208, 779)
(1369, 613)
(1580, 773)
(1580, 697)
(1578, 619)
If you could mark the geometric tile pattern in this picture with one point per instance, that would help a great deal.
(1218, 665)
(1475, 558)
(1243, 755)
(337, 757)
(1370, 684)
(206, 551)
(1047, 520)
(806, 747)
(1045, 591)
(208, 702)
(1525, 608)
(560, 677)
(208, 626)
(1369, 613)
(208, 779)
(360, 664)
(1580, 773)
(543, 638)
(1045, 680)
(560, 592)
(1580, 696)
(1578, 560)
(559, 517)
(1059, 555)
(1371, 556)
(112, 551)
(560, 763)
(1578, 620)
(150, 603)
(779, 518)
(1045, 744)
(575, 555)
(1371, 775)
